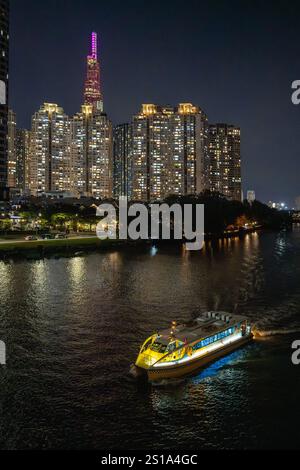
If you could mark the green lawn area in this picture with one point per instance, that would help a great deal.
(80, 243)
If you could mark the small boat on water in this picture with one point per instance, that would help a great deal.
(185, 349)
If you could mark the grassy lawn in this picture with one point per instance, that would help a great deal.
(80, 242)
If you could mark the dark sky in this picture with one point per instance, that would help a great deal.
(235, 59)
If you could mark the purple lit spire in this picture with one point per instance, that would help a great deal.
(93, 92)
(94, 46)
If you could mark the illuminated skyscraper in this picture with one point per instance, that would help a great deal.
(169, 151)
(18, 154)
(188, 161)
(22, 150)
(122, 160)
(49, 159)
(225, 160)
(91, 138)
(92, 92)
(12, 150)
(4, 57)
(91, 154)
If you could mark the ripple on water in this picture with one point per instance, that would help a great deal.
(73, 327)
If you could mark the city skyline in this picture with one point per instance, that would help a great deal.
(149, 228)
(165, 150)
(228, 81)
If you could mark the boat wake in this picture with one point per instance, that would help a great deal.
(168, 382)
(259, 333)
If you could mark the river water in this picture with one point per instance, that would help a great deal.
(73, 326)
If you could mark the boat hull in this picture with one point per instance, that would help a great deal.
(180, 370)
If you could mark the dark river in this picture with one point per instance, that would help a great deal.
(74, 325)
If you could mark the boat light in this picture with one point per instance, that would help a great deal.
(204, 351)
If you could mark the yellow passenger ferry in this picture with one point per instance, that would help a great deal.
(187, 348)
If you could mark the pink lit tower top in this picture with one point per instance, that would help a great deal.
(92, 90)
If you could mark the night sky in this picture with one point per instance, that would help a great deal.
(236, 60)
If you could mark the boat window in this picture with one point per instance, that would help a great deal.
(158, 347)
(213, 339)
(171, 347)
(147, 345)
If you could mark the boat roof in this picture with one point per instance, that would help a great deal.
(207, 324)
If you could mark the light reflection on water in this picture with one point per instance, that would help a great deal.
(73, 326)
(217, 366)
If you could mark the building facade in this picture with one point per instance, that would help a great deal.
(188, 150)
(224, 154)
(18, 146)
(49, 155)
(122, 161)
(91, 154)
(72, 154)
(169, 148)
(92, 137)
(12, 150)
(4, 63)
(23, 159)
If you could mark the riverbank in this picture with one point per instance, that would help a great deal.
(66, 247)
(16, 248)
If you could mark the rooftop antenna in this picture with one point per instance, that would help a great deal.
(94, 46)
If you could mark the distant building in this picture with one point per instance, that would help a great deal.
(72, 155)
(224, 152)
(251, 197)
(297, 203)
(122, 161)
(49, 156)
(59, 195)
(12, 150)
(168, 151)
(91, 154)
(91, 137)
(280, 206)
(23, 155)
(4, 78)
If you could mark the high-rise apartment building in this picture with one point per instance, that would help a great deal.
(18, 154)
(224, 151)
(188, 166)
(72, 154)
(4, 58)
(122, 161)
(23, 159)
(12, 150)
(91, 137)
(169, 151)
(49, 160)
(91, 154)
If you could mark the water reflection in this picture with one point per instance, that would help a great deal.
(75, 325)
(154, 251)
(77, 267)
(39, 277)
(6, 278)
(215, 368)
